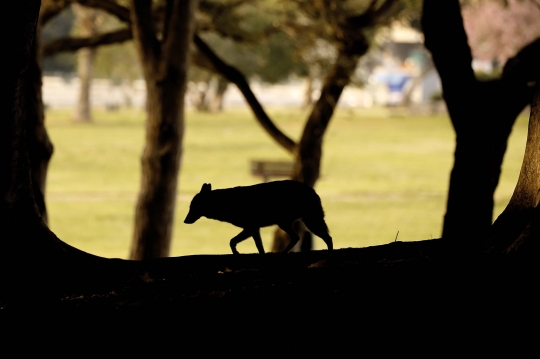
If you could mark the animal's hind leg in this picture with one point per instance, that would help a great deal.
(288, 228)
(320, 229)
(258, 241)
(239, 238)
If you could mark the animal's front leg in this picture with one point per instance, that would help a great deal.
(258, 240)
(239, 238)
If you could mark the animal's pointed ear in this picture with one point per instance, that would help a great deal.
(207, 187)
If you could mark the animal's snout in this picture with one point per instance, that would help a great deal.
(191, 218)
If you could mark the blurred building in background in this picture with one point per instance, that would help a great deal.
(404, 75)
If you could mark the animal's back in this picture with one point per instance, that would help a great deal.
(266, 204)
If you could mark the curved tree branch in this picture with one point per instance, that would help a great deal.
(73, 44)
(49, 9)
(236, 77)
(373, 14)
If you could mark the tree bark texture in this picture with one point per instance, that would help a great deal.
(164, 64)
(482, 114)
(86, 18)
(211, 61)
(307, 165)
(308, 161)
(518, 228)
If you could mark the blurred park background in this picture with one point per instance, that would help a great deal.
(387, 154)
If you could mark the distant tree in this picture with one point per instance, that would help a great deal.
(86, 22)
(244, 34)
(118, 63)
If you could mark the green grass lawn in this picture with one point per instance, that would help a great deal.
(380, 175)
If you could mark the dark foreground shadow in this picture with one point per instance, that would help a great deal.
(359, 299)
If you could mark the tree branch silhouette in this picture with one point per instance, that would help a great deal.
(235, 76)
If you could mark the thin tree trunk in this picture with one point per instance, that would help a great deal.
(308, 161)
(308, 92)
(216, 104)
(164, 66)
(86, 18)
(201, 95)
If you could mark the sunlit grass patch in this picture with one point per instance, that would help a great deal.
(380, 175)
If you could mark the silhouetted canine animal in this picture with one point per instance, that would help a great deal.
(261, 205)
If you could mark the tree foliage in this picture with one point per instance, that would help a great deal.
(60, 26)
(498, 30)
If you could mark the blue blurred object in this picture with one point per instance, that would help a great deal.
(397, 81)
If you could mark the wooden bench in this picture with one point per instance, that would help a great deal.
(269, 169)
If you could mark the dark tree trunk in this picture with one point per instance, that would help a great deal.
(25, 243)
(518, 227)
(164, 66)
(482, 114)
(16, 188)
(308, 160)
(86, 18)
(40, 147)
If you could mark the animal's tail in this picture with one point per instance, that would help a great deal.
(314, 220)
